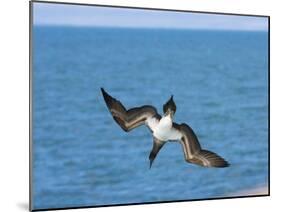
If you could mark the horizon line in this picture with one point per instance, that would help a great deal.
(148, 27)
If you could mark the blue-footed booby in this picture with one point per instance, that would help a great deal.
(163, 129)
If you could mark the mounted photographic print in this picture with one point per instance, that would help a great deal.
(137, 105)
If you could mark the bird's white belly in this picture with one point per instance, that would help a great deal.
(162, 135)
(164, 130)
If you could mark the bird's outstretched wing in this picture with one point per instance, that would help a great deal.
(132, 118)
(193, 152)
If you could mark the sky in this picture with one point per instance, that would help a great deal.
(81, 15)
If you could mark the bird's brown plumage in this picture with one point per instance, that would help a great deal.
(134, 117)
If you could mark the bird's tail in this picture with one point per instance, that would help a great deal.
(211, 159)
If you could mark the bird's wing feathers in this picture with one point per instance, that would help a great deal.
(128, 119)
(132, 118)
(157, 145)
(193, 152)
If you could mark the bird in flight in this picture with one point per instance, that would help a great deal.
(163, 129)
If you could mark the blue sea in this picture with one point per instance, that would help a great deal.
(81, 157)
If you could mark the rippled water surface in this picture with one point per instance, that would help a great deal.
(81, 157)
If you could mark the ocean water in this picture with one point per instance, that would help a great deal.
(81, 157)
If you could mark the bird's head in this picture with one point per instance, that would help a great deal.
(170, 107)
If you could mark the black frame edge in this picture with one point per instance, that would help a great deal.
(268, 84)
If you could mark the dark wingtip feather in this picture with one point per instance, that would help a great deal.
(106, 96)
(150, 164)
(220, 163)
(103, 91)
(223, 164)
(227, 164)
